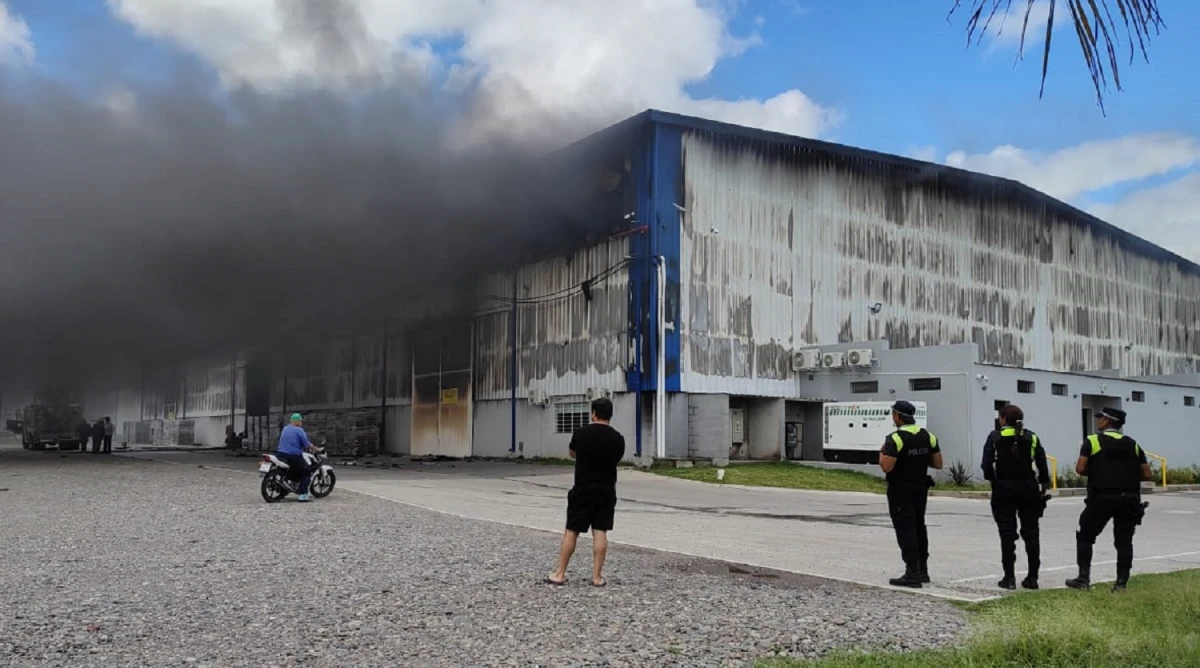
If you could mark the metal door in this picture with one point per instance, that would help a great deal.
(442, 405)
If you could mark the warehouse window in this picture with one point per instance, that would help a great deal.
(924, 384)
(1058, 390)
(865, 387)
(1139, 396)
(1189, 401)
(1025, 386)
(571, 416)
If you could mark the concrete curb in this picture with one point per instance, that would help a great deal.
(1067, 492)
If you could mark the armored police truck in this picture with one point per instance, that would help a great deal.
(51, 425)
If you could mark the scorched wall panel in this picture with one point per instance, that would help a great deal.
(565, 342)
(787, 247)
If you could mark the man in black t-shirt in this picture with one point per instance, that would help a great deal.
(905, 458)
(591, 503)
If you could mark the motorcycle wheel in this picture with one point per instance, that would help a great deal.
(321, 486)
(273, 489)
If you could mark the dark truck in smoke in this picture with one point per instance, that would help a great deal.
(51, 424)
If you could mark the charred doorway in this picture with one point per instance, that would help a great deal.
(441, 403)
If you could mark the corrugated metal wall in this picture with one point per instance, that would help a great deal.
(208, 386)
(566, 343)
(784, 248)
(339, 374)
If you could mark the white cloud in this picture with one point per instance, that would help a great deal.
(1168, 215)
(1005, 29)
(530, 60)
(1077, 170)
(16, 44)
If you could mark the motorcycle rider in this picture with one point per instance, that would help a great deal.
(293, 443)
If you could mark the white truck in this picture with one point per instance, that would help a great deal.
(855, 431)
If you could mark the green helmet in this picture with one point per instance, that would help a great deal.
(296, 417)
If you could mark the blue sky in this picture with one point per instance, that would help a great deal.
(886, 75)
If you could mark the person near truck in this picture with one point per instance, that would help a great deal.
(84, 431)
(110, 430)
(1115, 466)
(97, 436)
(905, 459)
(1010, 456)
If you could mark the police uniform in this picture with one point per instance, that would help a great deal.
(908, 486)
(1009, 458)
(1114, 472)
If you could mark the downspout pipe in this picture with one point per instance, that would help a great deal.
(383, 389)
(660, 386)
(637, 375)
(512, 333)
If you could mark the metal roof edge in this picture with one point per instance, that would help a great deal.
(755, 134)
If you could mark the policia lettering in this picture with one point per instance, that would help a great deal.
(1018, 493)
(1115, 466)
(905, 458)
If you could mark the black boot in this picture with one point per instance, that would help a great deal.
(1120, 585)
(924, 572)
(1083, 555)
(1083, 581)
(910, 579)
(1031, 579)
(1009, 582)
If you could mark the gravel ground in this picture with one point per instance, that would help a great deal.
(110, 561)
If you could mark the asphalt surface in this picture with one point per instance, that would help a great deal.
(839, 535)
(175, 560)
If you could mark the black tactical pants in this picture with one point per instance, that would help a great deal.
(906, 505)
(1014, 500)
(1125, 511)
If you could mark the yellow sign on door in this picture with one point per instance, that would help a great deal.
(450, 396)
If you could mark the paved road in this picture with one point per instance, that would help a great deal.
(838, 535)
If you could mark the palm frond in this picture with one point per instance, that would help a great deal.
(1095, 27)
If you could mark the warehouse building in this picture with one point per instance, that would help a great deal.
(738, 283)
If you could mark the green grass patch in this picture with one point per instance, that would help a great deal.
(794, 476)
(1153, 624)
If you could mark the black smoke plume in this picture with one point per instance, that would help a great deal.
(197, 223)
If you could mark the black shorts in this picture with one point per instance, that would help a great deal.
(591, 506)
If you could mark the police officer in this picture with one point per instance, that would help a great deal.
(1009, 457)
(1115, 466)
(905, 458)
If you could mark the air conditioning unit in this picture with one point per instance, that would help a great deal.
(863, 357)
(594, 393)
(833, 360)
(538, 398)
(806, 360)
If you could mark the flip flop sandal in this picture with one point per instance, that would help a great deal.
(556, 583)
(603, 583)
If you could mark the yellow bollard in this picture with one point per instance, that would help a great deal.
(1163, 461)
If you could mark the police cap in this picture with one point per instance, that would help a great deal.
(1115, 414)
(904, 408)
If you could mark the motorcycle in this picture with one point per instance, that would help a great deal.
(275, 482)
